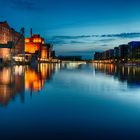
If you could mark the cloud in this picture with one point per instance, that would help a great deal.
(105, 38)
(64, 42)
(58, 42)
(77, 42)
(104, 45)
(71, 37)
(122, 35)
(88, 44)
(61, 40)
(103, 41)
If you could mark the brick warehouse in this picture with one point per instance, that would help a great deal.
(8, 34)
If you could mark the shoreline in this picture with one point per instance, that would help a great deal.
(118, 63)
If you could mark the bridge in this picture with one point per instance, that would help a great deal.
(74, 62)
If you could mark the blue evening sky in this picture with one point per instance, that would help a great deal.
(72, 24)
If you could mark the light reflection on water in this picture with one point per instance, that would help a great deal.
(17, 80)
(70, 101)
(128, 74)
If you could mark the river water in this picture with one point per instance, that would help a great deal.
(70, 101)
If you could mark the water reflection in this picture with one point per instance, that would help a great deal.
(18, 80)
(128, 74)
(72, 65)
(82, 102)
(11, 84)
(14, 81)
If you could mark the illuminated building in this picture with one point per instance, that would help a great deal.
(5, 33)
(47, 52)
(36, 45)
(33, 44)
(6, 51)
(8, 34)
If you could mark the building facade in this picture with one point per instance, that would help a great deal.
(36, 45)
(33, 44)
(8, 34)
(134, 51)
(125, 53)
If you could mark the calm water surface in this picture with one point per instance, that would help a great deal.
(70, 101)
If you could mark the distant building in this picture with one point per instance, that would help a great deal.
(97, 56)
(111, 54)
(134, 49)
(116, 52)
(123, 52)
(53, 54)
(106, 54)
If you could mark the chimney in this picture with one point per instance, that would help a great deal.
(31, 32)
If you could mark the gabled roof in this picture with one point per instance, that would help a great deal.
(5, 24)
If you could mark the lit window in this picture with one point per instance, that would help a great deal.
(27, 40)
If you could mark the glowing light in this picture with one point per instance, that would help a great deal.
(37, 40)
(27, 40)
(33, 80)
